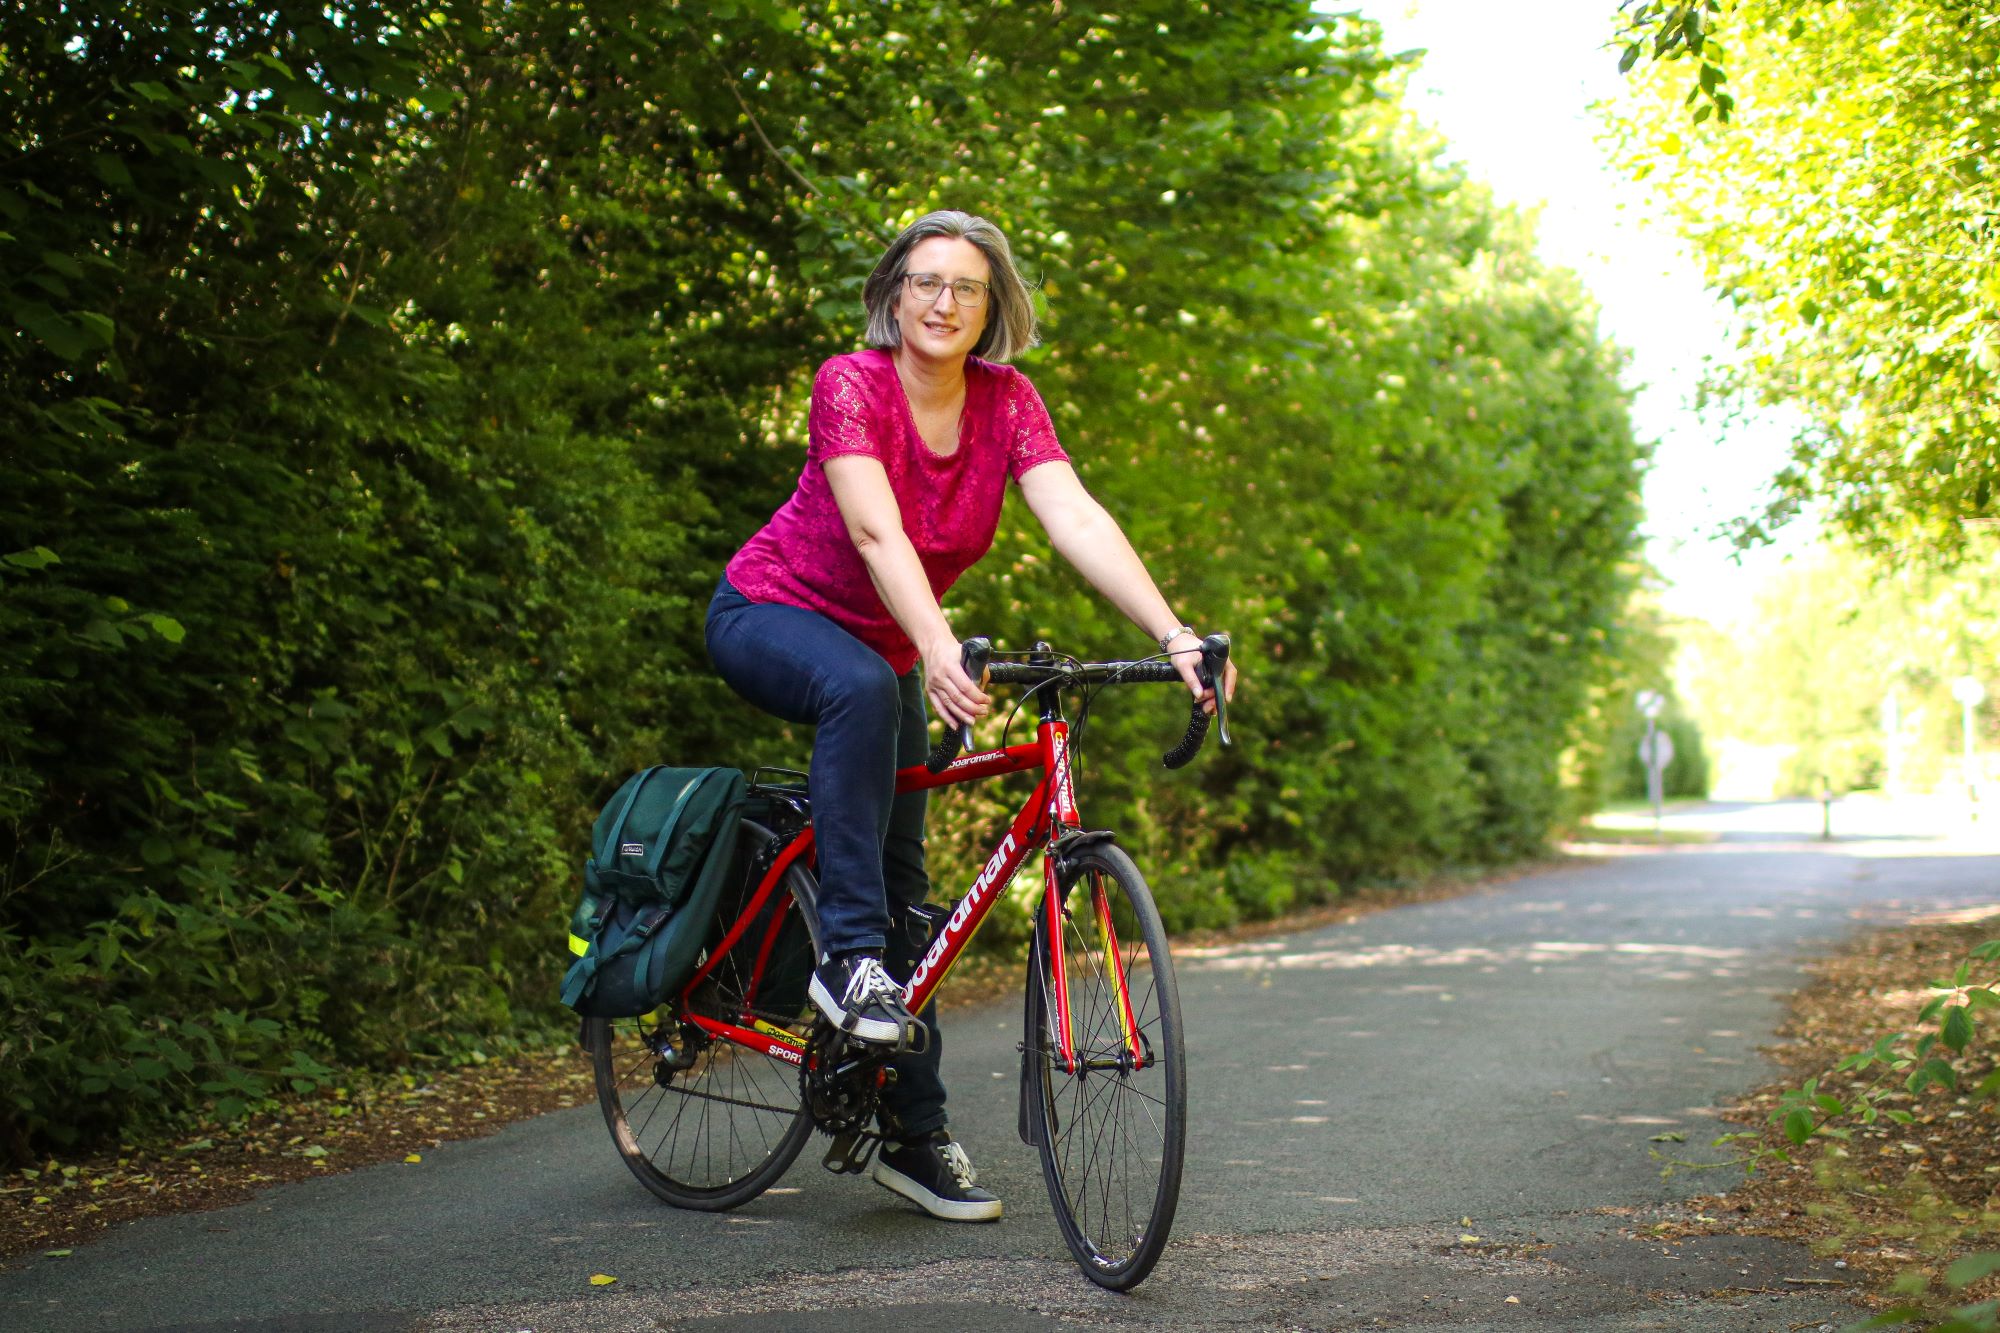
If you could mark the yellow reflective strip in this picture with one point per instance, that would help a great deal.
(579, 947)
(773, 1030)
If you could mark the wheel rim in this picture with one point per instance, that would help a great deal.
(1112, 1131)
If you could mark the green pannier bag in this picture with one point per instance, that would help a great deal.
(661, 853)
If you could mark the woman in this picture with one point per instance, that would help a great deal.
(824, 614)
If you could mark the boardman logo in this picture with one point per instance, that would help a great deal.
(632, 849)
(980, 888)
(1065, 796)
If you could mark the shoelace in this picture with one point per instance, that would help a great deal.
(960, 1165)
(870, 981)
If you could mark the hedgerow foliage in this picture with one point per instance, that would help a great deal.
(385, 386)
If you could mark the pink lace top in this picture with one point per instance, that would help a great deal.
(951, 505)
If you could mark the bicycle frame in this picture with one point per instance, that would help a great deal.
(1049, 812)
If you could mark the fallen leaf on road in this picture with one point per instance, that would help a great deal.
(601, 1279)
(414, 1158)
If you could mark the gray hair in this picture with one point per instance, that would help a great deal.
(1010, 313)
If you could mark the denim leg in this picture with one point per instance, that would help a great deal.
(802, 667)
(914, 1104)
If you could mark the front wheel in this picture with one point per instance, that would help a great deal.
(1108, 1107)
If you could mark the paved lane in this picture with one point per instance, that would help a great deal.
(1363, 1095)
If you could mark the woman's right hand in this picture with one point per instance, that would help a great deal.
(954, 696)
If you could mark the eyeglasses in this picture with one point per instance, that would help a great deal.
(965, 291)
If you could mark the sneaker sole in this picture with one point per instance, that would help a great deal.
(951, 1210)
(862, 1029)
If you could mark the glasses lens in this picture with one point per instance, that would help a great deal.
(965, 291)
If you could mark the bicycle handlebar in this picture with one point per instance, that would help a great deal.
(976, 657)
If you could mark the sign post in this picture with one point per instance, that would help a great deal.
(1656, 751)
(1970, 694)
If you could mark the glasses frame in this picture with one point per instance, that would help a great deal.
(982, 289)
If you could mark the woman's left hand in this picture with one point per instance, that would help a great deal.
(1185, 650)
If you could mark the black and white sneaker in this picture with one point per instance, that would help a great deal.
(859, 997)
(935, 1174)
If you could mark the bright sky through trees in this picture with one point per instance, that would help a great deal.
(1511, 90)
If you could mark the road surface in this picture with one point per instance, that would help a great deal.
(1363, 1096)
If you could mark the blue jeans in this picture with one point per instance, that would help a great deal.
(800, 666)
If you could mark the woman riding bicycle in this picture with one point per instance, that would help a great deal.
(824, 614)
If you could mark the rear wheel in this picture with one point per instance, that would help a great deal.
(1110, 1117)
(706, 1124)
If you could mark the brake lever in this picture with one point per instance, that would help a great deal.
(1213, 673)
(974, 655)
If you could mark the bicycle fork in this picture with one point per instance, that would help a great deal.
(1057, 1038)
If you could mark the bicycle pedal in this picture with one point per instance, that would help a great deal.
(850, 1153)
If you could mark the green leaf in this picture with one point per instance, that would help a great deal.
(1958, 1028)
(99, 326)
(36, 557)
(1799, 1126)
(1972, 1267)
(165, 626)
(51, 330)
(153, 92)
(111, 169)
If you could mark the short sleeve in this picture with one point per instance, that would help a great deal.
(1031, 436)
(840, 420)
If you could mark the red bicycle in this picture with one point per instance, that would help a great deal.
(711, 1097)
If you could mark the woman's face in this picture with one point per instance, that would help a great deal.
(941, 328)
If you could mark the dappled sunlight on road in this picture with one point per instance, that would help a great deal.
(1251, 957)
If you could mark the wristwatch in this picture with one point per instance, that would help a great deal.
(1175, 633)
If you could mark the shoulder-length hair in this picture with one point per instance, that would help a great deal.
(1010, 317)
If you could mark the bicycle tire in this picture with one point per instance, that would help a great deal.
(720, 1132)
(1111, 1139)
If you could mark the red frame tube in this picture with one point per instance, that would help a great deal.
(1048, 811)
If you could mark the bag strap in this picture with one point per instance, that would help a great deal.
(670, 825)
(581, 978)
(618, 828)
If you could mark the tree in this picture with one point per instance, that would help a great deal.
(1846, 203)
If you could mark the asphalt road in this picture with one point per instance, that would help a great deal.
(1362, 1096)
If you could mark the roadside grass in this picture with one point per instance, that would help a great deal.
(1898, 1203)
(1630, 824)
